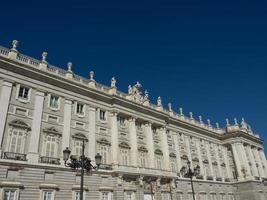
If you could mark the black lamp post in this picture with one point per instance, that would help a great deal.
(187, 172)
(83, 163)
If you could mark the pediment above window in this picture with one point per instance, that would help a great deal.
(142, 148)
(19, 124)
(52, 130)
(124, 145)
(184, 157)
(80, 136)
(158, 152)
(103, 141)
(195, 159)
(172, 155)
(205, 161)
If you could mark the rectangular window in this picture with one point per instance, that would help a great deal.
(76, 195)
(50, 146)
(23, 92)
(124, 157)
(121, 121)
(166, 195)
(80, 109)
(17, 141)
(106, 195)
(129, 195)
(102, 115)
(9, 194)
(48, 195)
(78, 147)
(104, 152)
(54, 101)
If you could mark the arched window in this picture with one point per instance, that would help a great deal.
(51, 138)
(125, 153)
(18, 133)
(77, 143)
(103, 148)
(142, 151)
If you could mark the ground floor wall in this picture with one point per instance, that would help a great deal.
(59, 183)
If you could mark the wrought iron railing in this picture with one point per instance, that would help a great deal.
(14, 156)
(105, 167)
(49, 160)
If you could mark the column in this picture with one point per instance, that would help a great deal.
(33, 154)
(92, 133)
(252, 161)
(257, 158)
(226, 161)
(67, 121)
(237, 161)
(200, 157)
(216, 146)
(4, 102)
(187, 144)
(165, 148)
(244, 160)
(177, 150)
(209, 159)
(264, 162)
(114, 138)
(133, 142)
(150, 145)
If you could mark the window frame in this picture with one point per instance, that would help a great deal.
(110, 195)
(42, 196)
(105, 115)
(49, 102)
(22, 99)
(16, 193)
(82, 114)
(10, 138)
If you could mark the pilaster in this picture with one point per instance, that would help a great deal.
(259, 164)
(33, 155)
(133, 141)
(165, 148)
(226, 161)
(264, 162)
(200, 157)
(237, 161)
(177, 150)
(209, 159)
(252, 161)
(92, 133)
(114, 138)
(216, 146)
(4, 102)
(150, 145)
(67, 121)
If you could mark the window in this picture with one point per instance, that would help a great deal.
(76, 195)
(139, 126)
(159, 161)
(48, 195)
(129, 195)
(10, 194)
(78, 146)
(202, 196)
(51, 146)
(106, 195)
(124, 157)
(166, 196)
(104, 152)
(231, 196)
(102, 115)
(173, 164)
(23, 93)
(80, 109)
(179, 196)
(54, 101)
(121, 121)
(213, 196)
(142, 159)
(17, 141)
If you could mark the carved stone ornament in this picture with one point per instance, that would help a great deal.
(142, 149)
(80, 136)
(19, 124)
(124, 145)
(52, 130)
(184, 157)
(172, 155)
(104, 141)
(158, 152)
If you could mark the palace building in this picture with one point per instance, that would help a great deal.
(44, 109)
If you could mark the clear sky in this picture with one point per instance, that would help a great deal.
(207, 57)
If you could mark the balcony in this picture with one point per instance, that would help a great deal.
(209, 178)
(218, 179)
(227, 180)
(105, 167)
(14, 156)
(49, 160)
(199, 177)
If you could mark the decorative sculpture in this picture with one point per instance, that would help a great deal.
(113, 82)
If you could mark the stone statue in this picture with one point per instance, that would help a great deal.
(44, 56)
(217, 125)
(146, 96)
(113, 82)
(130, 90)
(159, 102)
(209, 124)
(227, 122)
(181, 111)
(15, 45)
(69, 66)
(91, 75)
(191, 115)
(200, 119)
(235, 120)
(170, 107)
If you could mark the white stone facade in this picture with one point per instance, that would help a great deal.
(45, 109)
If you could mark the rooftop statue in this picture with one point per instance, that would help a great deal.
(113, 82)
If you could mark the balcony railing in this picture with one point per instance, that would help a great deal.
(105, 167)
(218, 179)
(50, 160)
(209, 178)
(14, 156)
(227, 180)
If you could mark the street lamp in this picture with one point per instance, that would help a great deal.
(83, 163)
(187, 172)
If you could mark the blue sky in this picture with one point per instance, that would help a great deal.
(207, 57)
